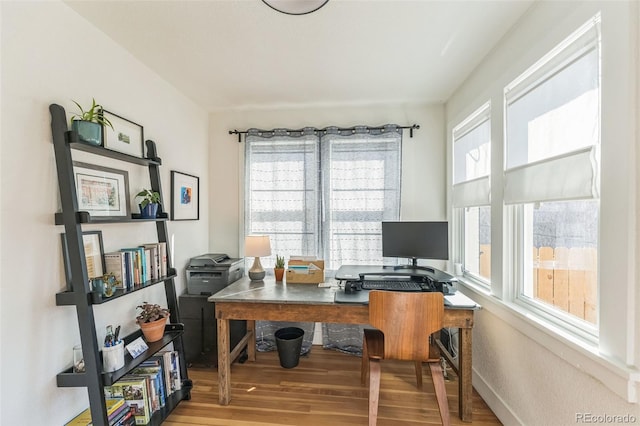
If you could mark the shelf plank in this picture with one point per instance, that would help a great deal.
(85, 217)
(75, 143)
(67, 298)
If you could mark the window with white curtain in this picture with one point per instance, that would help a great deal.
(551, 181)
(472, 194)
(323, 193)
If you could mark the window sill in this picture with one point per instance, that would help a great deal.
(621, 379)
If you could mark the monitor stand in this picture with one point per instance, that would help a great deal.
(414, 267)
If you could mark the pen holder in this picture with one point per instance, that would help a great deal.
(113, 357)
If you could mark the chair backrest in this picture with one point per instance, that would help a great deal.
(406, 319)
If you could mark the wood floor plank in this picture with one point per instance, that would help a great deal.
(324, 389)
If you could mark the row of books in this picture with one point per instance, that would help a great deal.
(118, 412)
(134, 398)
(147, 387)
(134, 266)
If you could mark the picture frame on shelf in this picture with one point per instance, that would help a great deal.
(185, 196)
(93, 253)
(125, 136)
(103, 192)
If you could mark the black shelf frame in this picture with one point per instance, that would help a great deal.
(82, 296)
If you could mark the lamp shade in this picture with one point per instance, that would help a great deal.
(295, 7)
(257, 245)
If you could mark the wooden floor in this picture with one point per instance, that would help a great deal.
(324, 389)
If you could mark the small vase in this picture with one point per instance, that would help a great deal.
(153, 331)
(88, 131)
(279, 273)
(149, 211)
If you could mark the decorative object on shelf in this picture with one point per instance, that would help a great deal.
(152, 319)
(149, 203)
(93, 255)
(78, 359)
(257, 245)
(295, 7)
(185, 196)
(125, 136)
(88, 124)
(102, 191)
(106, 285)
(279, 268)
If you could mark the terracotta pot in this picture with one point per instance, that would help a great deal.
(153, 331)
(279, 272)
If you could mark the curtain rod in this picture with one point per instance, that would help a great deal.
(411, 129)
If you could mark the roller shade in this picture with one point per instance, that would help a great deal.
(476, 192)
(570, 176)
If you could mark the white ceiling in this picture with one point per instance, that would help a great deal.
(227, 54)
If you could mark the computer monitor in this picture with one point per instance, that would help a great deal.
(415, 240)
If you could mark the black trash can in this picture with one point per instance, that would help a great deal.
(289, 343)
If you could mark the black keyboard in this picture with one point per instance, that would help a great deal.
(392, 285)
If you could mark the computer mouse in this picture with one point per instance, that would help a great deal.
(351, 287)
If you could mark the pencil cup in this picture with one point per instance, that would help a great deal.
(113, 357)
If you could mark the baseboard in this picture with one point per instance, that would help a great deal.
(493, 400)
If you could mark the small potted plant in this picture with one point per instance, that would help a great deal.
(88, 124)
(279, 268)
(149, 203)
(152, 319)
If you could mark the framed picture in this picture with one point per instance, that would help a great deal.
(126, 136)
(93, 253)
(185, 196)
(101, 191)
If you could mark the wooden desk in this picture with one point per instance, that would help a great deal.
(271, 301)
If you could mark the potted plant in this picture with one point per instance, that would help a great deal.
(279, 268)
(88, 124)
(152, 319)
(149, 203)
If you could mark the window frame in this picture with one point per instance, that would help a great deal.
(471, 122)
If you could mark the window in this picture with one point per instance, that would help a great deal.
(323, 193)
(552, 131)
(471, 194)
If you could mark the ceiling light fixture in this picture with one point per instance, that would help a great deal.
(295, 7)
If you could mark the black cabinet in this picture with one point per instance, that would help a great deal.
(81, 295)
(201, 332)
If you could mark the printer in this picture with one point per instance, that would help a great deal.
(209, 273)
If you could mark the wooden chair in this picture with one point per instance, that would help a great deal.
(404, 322)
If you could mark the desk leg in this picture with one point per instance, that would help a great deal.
(251, 344)
(224, 363)
(465, 386)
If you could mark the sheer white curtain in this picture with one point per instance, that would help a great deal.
(322, 193)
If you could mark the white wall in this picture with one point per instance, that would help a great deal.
(527, 373)
(423, 159)
(51, 55)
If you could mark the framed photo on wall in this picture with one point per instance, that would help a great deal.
(126, 136)
(185, 196)
(93, 255)
(102, 192)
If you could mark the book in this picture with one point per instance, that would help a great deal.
(118, 413)
(134, 391)
(163, 258)
(115, 264)
(156, 271)
(113, 404)
(82, 419)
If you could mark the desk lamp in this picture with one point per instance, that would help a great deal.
(257, 245)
